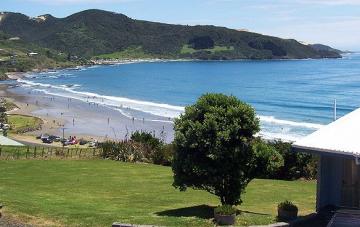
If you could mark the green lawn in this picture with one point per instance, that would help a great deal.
(99, 192)
(22, 123)
(186, 49)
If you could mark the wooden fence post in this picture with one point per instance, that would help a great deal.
(27, 152)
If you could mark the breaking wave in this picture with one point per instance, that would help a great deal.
(272, 127)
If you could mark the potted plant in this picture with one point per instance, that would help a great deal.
(225, 215)
(287, 210)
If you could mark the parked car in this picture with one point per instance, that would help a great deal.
(65, 142)
(4, 126)
(47, 140)
(55, 138)
(44, 136)
(82, 142)
(93, 144)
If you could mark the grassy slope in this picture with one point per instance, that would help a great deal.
(129, 53)
(46, 58)
(97, 193)
(19, 123)
(188, 50)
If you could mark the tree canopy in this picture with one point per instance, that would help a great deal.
(214, 147)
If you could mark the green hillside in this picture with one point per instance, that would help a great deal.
(95, 32)
(17, 55)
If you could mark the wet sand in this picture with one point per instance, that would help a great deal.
(81, 119)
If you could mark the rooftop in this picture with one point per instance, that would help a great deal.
(8, 142)
(339, 137)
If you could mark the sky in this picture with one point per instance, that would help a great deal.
(332, 22)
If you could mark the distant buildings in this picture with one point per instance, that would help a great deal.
(14, 38)
(31, 54)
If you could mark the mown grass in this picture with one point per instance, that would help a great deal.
(100, 192)
(22, 123)
(186, 49)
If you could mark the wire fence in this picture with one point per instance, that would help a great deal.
(16, 153)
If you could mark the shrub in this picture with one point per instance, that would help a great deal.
(146, 138)
(225, 210)
(164, 155)
(143, 147)
(296, 165)
(268, 159)
(159, 152)
(213, 147)
(287, 205)
(125, 151)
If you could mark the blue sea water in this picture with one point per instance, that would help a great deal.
(292, 97)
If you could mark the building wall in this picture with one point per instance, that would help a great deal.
(329, 181)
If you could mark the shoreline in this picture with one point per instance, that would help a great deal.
(100, 62)
(84, 120)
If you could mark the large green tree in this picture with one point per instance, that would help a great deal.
(214, 147)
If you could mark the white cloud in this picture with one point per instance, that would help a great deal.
(330, 2)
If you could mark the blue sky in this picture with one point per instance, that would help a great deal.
(333, 22)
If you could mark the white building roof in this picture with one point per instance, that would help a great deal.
(9, 142)
(340, 137)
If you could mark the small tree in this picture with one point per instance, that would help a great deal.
(213, 147)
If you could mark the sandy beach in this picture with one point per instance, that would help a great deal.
(78, 118)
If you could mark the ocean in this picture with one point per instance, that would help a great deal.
(292, 98)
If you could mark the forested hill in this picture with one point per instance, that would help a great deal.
(105, 34)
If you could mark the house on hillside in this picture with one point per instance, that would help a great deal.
(14, 38)
(338, 146)
(31, 54)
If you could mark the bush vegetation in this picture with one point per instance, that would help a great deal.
(14, 56)
(214, 148)
(225, 210)
(143, 147)
(287, 205)
(276, 156)
(296, 165)
(94, 32)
